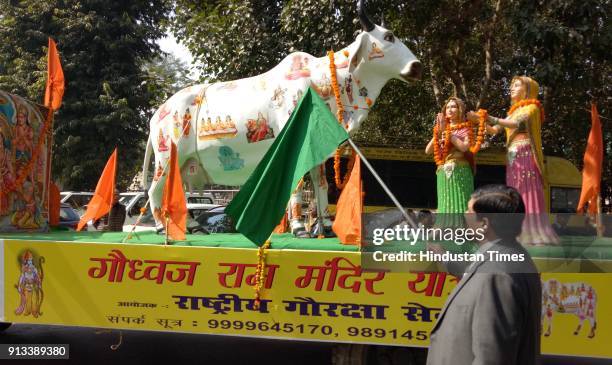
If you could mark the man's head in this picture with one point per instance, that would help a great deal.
(498, 209)
(116, 196)
(425, 218)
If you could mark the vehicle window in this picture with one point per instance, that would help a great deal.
(564, 199)
(199, 200)
(78, 201)
(125, 199)
(67, 214)
(215, 219)
(195, 213)
(135, 210)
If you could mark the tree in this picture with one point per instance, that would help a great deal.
(103, 46)
(165, 75)
(469, 48)
(210, 30)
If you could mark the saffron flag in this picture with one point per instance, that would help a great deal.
(174, 205)
(310, 136)
(347, 224)
(593, 161)
(102, 201)
(54, 91)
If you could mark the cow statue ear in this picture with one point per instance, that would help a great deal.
(357, 51)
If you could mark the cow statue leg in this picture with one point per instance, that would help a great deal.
(156, 192)
(294, 214)
(319, 183)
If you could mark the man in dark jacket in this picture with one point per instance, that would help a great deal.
(493, 314)
(115, 219)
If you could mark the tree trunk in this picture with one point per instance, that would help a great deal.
(484, 90)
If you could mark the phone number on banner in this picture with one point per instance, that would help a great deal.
(315, 329)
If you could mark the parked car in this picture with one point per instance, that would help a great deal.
(134, 200)
(69, 217)
(147, 223)
(77, 199)
(213, 221)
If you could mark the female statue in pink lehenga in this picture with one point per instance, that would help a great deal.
(525, 159)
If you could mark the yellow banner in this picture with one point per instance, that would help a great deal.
(314, 295)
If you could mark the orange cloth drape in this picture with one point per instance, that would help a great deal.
(54, 91)
(347, 224)
(593, 162)
(54, 205)
(174, 205)
(102, 200)
(282, 226)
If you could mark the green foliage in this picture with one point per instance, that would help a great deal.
(165, 75)
(469, 48)
(103, 46)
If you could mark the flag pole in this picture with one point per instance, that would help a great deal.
(598, 222)
(167, 221)
(384, 186)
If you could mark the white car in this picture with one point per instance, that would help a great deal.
(147, 223)
(134, 200)
(77, 199)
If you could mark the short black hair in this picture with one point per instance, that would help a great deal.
(503, 206)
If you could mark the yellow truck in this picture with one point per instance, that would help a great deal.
(308, 289)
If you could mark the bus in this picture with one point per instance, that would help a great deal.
(411, 175)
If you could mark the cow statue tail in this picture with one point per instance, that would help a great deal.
(147, 162)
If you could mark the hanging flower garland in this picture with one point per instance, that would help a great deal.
(474, 143)
(340, 182)
(526, 102)
(440, 156)
(260, 272)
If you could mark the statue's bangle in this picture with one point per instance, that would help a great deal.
(493, 120)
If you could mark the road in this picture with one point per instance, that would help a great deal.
(92, 346)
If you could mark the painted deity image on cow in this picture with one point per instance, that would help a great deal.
(23, 165)
(578, 299)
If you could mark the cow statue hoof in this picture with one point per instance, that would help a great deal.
(301, 234)
(328, 232)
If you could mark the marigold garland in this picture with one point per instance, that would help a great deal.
(260, 272)
(440, 156)
(475, 144)
(340, 182)
(525, 102)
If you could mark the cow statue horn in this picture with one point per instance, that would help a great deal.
(366, 23)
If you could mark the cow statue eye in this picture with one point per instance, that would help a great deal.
(389, 37)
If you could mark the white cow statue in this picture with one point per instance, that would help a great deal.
(222, 130)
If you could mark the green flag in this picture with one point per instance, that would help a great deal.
(310, 136)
